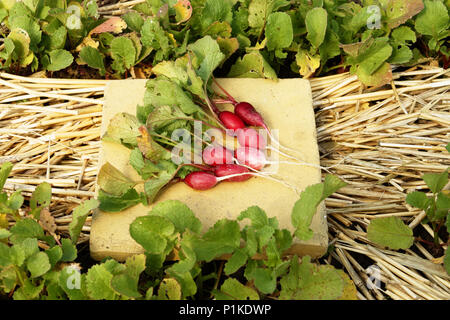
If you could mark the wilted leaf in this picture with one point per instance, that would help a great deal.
(112, 181)
(151, 150)
(113, 24)
(400, 11)
(47, 221)
(307, 63)
(123, 128)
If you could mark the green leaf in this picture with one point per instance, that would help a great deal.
(305, 208)
(59, 59)
(368, 56)
(26, 228)
(179, 214)
(54, 255)
(57, 39)
(144, 167)
(93, 58)
(152, 232)
(223, 237)
(403, 34)
(15, 200)
(154, 185)
(79, 216)
(418, 199)
(232, 289)
(69, 250)
(123, 128)
(237, 260)
(112, 181)
(169, 289)
(28, 291)
(433, 20)
(98, 283)
(278, 31)
(110, 203)
(307, 281)
(400, 55)
(163, 92)
(259, 11)
(208, 54)
(4, 234)
(154, 36)
(264, 279)
(252, 65)
(28, 24)
(436, 181)
(123, 53)
(126, 283)
(41, 196)
(390, 232)
(91, 8)
(5, 170)
(316, 26)
(134, 20)
(38, 264)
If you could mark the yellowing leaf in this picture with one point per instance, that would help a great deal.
(307, 63)
(183, 10)
(112, 181)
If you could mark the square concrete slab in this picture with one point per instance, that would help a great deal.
(286, 105)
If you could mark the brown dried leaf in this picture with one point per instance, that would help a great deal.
(400, 11)
(47, 221)
(114, 25)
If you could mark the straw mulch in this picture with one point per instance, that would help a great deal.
(379, 141)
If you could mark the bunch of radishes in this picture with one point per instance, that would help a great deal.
(248, 158)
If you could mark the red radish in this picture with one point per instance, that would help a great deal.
(231, 121)
(214, 155)
(249, 137)
(232, 169)
(251, 157)
(200, 180)
(249, 115)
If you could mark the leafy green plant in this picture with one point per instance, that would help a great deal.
(37, 264)
(393, 233)
(258, 38)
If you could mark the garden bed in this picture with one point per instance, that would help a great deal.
(379, 141)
